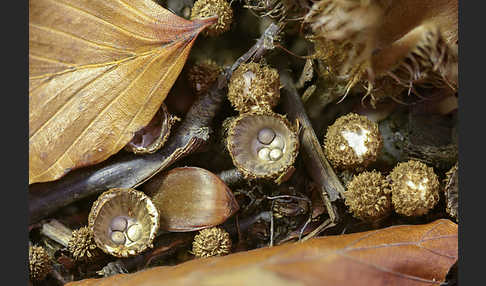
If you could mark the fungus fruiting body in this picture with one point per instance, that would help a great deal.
(213, 8)
(451, 191)
(352, 141)
(39, 263)
(263, 145)
(124, 222)
(202, 75)
(212, 241)
(368, 196)
(254, 86)
(414, 187)
(82, 245)
(153, 136)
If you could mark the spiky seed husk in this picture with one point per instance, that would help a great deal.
(243, 133)
(210, 8)
(39, 263)
(429, 61)
(337, 149)
(254, 86)
(368, 196)
(451, 191)
(212, 241)
(414, 188)
(413, 41)
(82, 246)
(202, 75)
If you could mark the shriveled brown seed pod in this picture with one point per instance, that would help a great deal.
(451, 191)
(414, 188)
(212, 241)
(124, 222)
(254, 86)
(352, 141)
(190, 198)
(39, 263)
(153, 136)
(415, 42)
(368, 196)
(210, 8)
(263, 145)
(81, 245)
(202, 75)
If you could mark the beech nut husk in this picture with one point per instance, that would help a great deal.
(190, 198)
(116, 214)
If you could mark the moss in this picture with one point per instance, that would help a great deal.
(414, 188)
(210, 8)
(345, 155)
(254, 86)
(368, 196)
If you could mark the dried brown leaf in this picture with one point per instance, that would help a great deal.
(98, 72)
(397, 255)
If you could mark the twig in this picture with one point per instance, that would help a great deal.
(316, 163)
(128, 170)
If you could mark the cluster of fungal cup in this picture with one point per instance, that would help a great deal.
(39, 263)
(213, 8)
(213, 241)
(254, 86)
(368, 196)
(202, 75)
(262, 143)
(410, 189)
(352, 141)
(414, 188)
(124, 222)
(81, 245)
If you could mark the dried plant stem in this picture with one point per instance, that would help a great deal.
(57, 232)
(328, 223)
(231, 177)
(128, 170)
(316, 163)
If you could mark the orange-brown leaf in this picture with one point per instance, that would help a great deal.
(398, 255)
(98, 72)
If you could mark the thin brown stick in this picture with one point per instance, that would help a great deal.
(316, 163)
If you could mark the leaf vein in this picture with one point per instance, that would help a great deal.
(97, 116)
(130, 33)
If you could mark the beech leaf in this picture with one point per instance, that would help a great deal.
(398, 255)
(98, 72)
